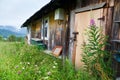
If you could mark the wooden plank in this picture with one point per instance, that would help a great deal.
(72, 46)
(91, 7)
(118, 41)
(117, 21)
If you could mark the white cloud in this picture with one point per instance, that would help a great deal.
(15, 12)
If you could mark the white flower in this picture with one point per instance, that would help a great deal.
(20, 62)
(23, 67)
(39, 71)
(28, 62)
(36, 65)
(49, 73)
(54, 66)
(46, 77)
(55, 62)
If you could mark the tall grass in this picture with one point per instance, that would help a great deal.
(19, 61)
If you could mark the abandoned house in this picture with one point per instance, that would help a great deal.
(63, 22)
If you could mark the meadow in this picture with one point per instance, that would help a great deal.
(19, 61)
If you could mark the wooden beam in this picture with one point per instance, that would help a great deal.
(91, 7)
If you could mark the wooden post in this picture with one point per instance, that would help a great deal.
(72, 45)
(63, 43)
(43, 30)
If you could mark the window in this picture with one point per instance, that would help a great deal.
(44, 30)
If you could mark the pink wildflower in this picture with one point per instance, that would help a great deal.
(92, 22)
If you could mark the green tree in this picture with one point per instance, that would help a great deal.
(12, 38)
(19, 39)
(1, 38)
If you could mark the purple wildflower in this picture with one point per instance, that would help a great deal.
(92, 22)
(16, 66)
(19, 72)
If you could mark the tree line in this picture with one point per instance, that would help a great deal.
(12, 38)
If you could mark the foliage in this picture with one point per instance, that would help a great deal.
(1, 38)
(12, 38)
(97, 60)
(19, 39)
(68, 72)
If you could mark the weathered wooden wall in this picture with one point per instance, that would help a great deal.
(35, 29)
(107, 13)
(110, 25)
(106, 21)
(38, 25)
(56, 31)
(116, 25)
(115, 45)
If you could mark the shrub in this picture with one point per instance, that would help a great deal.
(19, 39)
(12, 38)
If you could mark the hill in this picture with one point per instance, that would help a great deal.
(6, 31)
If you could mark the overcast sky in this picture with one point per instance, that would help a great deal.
(15, 12)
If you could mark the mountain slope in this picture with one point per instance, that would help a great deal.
(14, 29)
(6, 31)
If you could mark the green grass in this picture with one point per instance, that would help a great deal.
(22, 62)
(19, 61)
